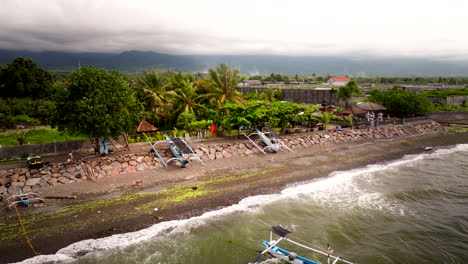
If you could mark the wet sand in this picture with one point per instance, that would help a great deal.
(113, 206)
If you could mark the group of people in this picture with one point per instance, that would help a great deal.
(370, 117)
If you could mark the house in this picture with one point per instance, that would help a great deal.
(338, 81)
(247, 83)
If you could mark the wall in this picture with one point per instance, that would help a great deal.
(48, 148)
(451, 100)
(308, 96)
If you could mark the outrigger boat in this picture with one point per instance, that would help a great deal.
(291, 257)
(180, 151)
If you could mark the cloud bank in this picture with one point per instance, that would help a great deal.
(359, 28)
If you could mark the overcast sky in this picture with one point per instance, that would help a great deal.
(414, 28)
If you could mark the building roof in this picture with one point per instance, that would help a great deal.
(340, 79)
(370, 106)
(354, 110)
(146, 127)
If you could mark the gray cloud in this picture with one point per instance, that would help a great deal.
(260, 27)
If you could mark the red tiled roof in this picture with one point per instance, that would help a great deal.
(340, 79)
(146, 127)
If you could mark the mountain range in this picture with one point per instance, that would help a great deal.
(135, 61)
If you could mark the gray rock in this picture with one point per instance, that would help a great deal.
(3, 173)
(56, 175)
(52, 181)
(43, 183)
(26, 189)
(34, 171)
(63, 180)
(14, 177)
(3, 190)
(68, 175)
(17, 184)
(219, 155)
(33, 181)
(107, 167)
(22, 178)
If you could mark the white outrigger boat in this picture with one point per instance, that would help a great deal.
(291, 257)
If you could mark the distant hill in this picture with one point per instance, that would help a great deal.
(133, 61)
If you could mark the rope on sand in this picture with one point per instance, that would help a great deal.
(28, 240)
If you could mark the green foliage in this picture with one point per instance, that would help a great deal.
(448, 108)
(287, 113)
(38, 136)
(185, 119)
(447, 92)
(24, 111)
(223, 83)
(200, 125)
(348, 120)
(325, 118)
(97, 103)
(401, 103)
(22, 78)
(346, 92)
(187, 100)
(21, 137)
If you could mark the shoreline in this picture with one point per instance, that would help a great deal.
(219, 184)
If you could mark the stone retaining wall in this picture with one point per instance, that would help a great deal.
(61, 173)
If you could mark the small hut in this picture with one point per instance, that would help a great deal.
(144, 126)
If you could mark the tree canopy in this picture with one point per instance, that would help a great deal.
(346, 92)
(97, 103)
(22, 79)
(401, 103)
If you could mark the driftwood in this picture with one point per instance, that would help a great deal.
(60, 197)
(90, 174)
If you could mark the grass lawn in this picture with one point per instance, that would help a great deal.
(37, 136)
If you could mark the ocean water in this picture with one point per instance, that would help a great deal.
(412, 210)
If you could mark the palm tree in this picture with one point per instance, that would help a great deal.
(187, 100)
(223, 84)
(154, 88)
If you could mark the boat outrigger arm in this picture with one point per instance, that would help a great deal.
(274, 144)
(23, 198)
(180, 150)
(291, 257)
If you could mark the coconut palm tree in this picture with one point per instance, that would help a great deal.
(154, 87)
(187, 100)
(223, 84)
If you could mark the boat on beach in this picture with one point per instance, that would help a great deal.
(291, 257)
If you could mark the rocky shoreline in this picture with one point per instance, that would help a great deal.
(94, 170)
(111, 205)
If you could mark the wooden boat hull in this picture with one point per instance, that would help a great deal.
(285, 255)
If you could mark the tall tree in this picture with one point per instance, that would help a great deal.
(97, 103)
(346, 92)
(155, 88)
(22, 78)
(223, 83)
(187, 100)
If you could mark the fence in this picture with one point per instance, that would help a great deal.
(47, 148)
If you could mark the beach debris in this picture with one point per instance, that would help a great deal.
(138, 183)
(194, 188)
(61, 197)
(427, 148)
(156, 209)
